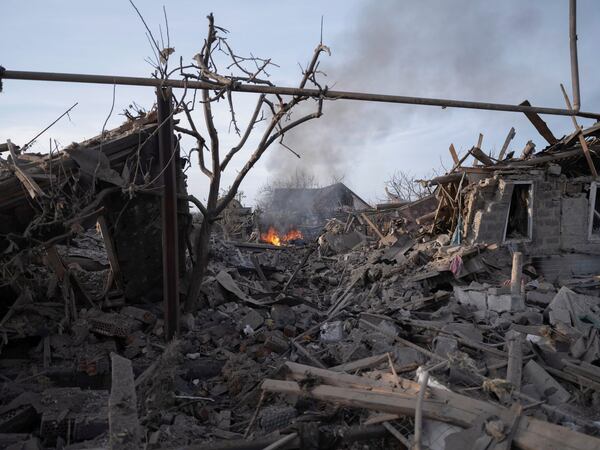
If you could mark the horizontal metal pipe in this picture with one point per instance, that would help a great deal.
(262, 89)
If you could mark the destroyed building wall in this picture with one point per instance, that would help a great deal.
(308, 208)
(559, 212)
(113, 177)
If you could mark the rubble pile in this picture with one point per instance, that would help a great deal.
(352, 327)
(467, 318)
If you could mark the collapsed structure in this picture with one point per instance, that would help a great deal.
(468, 318)
(368, 301)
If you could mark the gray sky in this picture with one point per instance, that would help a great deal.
(465, 49)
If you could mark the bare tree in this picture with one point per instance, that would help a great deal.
(404, 187)
(275, 110)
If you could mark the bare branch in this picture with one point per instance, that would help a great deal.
(204, 60)
(267, 139)
(297, 122)
(291, 150)
(311, 67)
(198, 204)
(253, 121)
(200, 140)
(251, 76)
(154, 42)
(232, 112)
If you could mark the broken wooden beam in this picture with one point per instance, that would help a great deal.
(514, 344)
(419, 410)
(305, 353)
(516, 273)
(540, 125)
(360, 364)
(299, 372)
(584, 147)
(444, 406)
(481, 157)
(28, 182)
(454, 155)
(509, 137)
(372, 225)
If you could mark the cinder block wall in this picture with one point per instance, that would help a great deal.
(546, 215)
(560, 213)
(491, 207)
(575, 216)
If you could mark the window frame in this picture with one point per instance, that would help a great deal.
(529, 237)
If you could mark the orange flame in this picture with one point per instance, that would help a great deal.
(273, 237)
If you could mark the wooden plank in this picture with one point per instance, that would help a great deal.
(404, 341)
(419, 411)
(300, 372)
(260, 272)
(480, 141)
(388, 426)
(540, 125)
(482, 157)
(462, 160)
(529, 434)
(364, 363)
(307, 355)
(584, 147)
(477, 147)
(372, 225)
(509, 137)
(514, 370)
(588, 157)
(32, 187)
(258, 245)
(511, 419)
(454, 155)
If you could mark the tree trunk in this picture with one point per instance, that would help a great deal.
(201, 252)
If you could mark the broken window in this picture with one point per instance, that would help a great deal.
(594, 221)
(518, 222)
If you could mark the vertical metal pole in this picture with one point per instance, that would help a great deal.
(170, 248)
(574, 59)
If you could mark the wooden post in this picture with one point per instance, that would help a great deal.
(419, 411)
(515, 358)
(515, 279)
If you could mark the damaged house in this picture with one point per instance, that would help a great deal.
(545, 205)
(105, 182)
